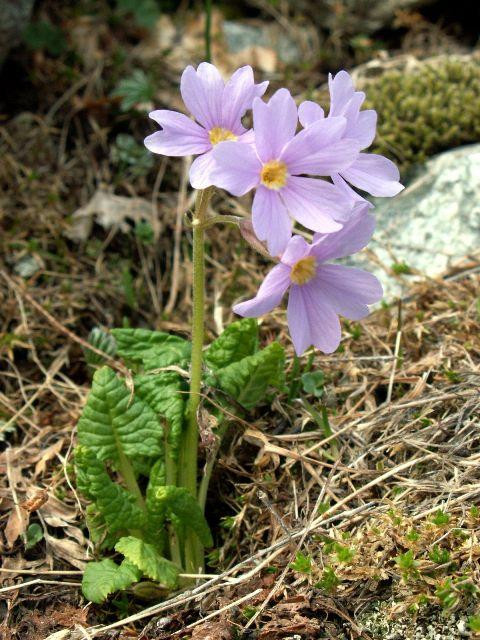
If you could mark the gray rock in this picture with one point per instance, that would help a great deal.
(14, 17)
(242, 35)
(431, 225)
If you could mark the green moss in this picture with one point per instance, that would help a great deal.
(426, 111)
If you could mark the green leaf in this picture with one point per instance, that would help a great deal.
(153, 349)
(247, 380)
(148, 560)
(182, 508)
(44, 35)
(239, 340)
(100, 579)
(165, 394)
(144, 12)
(302, 563)
(116, 505)
(313, 383)
(34, 535)
(102, 341)
(114, 421)
(135, 89)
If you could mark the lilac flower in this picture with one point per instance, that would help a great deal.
(319, 291)
(370, 172)
(218, 109)
(276, 164)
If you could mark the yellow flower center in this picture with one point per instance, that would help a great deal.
(303, 270)
(219, 134)
(274, 174)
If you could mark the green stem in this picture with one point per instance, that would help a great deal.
(208, 30)
(128, 475)
(188, 470)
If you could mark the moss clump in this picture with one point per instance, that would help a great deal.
(425, 111)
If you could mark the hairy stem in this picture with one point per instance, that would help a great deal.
(126, 471)
(188, 469)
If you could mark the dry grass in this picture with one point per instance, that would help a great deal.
(401, 395)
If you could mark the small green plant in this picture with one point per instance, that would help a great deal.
(34, 535)
(474, 623)
(249, 611)
(344, 554)
(407, 564)
(45, 36)
(441, 518)
(329, 580)
(412, 535)
(144, 232)
(144, 12)
(313, 383)
(130, 158)
(138, 88)
(439, 555)
(401, 268)
(302, 563)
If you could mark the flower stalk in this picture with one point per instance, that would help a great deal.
(188, 470)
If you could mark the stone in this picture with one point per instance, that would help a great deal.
(14, 17)
(430, 226)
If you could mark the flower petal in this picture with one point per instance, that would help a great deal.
(341, 92)
(315, 203)
(274, 124)
(348, 192)
(201, 169)
(237, 167)
(271, 221)
(238, 96)
(296, 249)
(180, 136)
(364, 129)
(320, 148)
(375, 174)
(268, 296)
(309, 112)
(354, 236)
(348, 290)
(202, 93)
(311, 320)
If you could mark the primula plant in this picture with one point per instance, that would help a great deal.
(137, 460)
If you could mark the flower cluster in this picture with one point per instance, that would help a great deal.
(308, 176)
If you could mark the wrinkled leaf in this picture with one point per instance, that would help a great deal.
(146, 558)
(183, 509)
(239, 340)
(153, 349)
(116, 505)
(102, 341)
(165, 394)
(247, 380)
(113, 421)
(100, 579)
